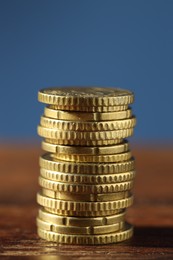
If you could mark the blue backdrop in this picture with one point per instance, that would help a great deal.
(110, 43)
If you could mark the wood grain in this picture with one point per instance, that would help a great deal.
(152, 212)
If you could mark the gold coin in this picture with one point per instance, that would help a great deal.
(80, 222)
(115, 237)
(85, 188)
(121, 157)
(88, 96)
(87, 178)
(83, 206)
(84, 142)
(75, 135)
(90, 109)
(83, 213)
(64, 149)
(47, 162)
(91, 230)
(87, 126)
(85, 197)
(86, 116)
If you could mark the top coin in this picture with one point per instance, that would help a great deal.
(88, 96)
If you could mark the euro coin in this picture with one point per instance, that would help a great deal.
(85, 197)
(109, 238)
(91, 230)
(85, 188)
(47, 162)
(87, 178)
(84, 116)
(90, 109)
(80, 221)
(83, 206)
(121, 157)
(75, 213)
(75, 135)
(64, 149)
(89, 96)
(83, 142)
(87, 126)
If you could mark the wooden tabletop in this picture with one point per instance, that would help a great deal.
(151, 214)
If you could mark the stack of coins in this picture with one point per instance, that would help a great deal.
(87, 174)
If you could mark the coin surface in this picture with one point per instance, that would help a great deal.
(90, 108)
(88, 96)
(85, 197)
(87, 178)
(83, 206)
(64, 149)
(83, 213)
(87, 126)
(82, 116)
(85, 188)
(84, 142)
(121, 157)
(91, 230)
(80, 222)
(115, 237)
(47, 162)
(75, 135)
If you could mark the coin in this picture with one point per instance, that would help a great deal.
(90, 109)
(87, 178)
(87, 126)
(121, 157)
(64, 149)
(47, 162)
(83, 206)
(84, 142)
(83, 117)
(91, 230)
(89, 96)
(83, 213)
(84, 197)
(75, 135)
(115, 237)
(85, 188)
(79, 221)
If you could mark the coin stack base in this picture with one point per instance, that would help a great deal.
(87, 172)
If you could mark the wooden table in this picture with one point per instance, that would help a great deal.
(152, 212)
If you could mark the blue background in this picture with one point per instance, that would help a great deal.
(109, 43)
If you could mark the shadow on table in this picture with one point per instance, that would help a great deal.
(152, 237)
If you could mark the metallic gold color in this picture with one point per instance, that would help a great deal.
(121, 157)
(64, 149)
(83, 213)
(87, 126)
(87, 178)
(84, 142)
(85, 116)
(83, 206)
(80, 222)
(85, 188)
(90, 230)
(89, 96)
(85, 197)
(115, 237)
(75, 135)
(100, 109)
(47, 162)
